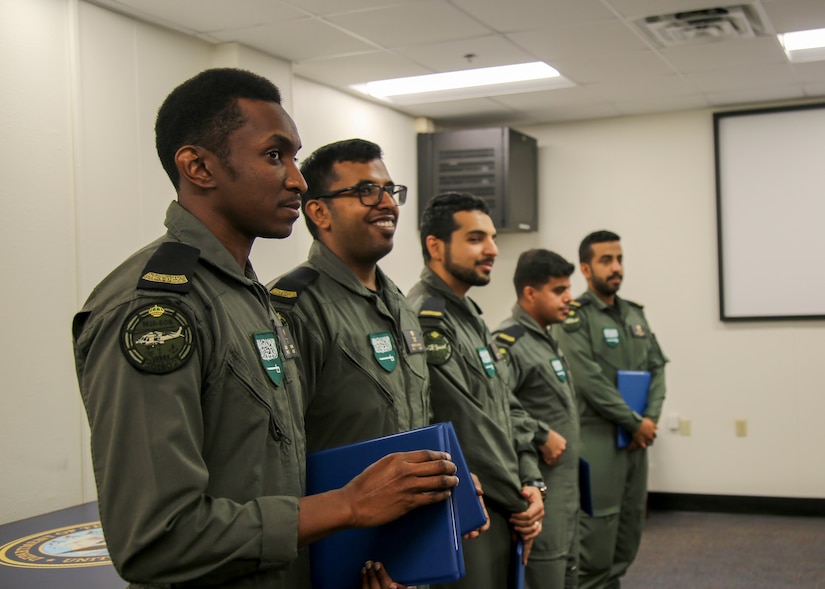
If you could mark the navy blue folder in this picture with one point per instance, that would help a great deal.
(634, 386)
(468, 507)
(419, 548)
(585, 491)
(517, 574)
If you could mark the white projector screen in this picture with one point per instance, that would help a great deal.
(770, 199)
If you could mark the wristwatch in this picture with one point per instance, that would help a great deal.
(540, 485)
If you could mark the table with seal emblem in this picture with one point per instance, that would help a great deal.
(63, 549)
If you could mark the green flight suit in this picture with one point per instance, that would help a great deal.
(599, 340)
(362, 354)
(196, 422)
(471, 387)
(544, 387)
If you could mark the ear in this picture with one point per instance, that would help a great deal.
(318, 212)
(528, 293)
(586, 271)
(435, 247)
(195, 166)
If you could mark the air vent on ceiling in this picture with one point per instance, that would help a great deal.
(703, 26)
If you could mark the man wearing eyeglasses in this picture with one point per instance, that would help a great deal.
(359, 340)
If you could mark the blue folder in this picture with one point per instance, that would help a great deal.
(468, 507)
(419, 548)
(634, 386)
(585, 491)
(517, 573)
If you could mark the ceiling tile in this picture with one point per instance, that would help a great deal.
(490, 50)
(751, 78)
(795, 15)
(722, 55)
(190, 15)
(297, 40)
(770, 94)
(414, 23)
(358, 69)
(593, 40)
(524, 15)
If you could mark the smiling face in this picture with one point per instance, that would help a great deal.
(358, 234)
(467, 259)
(257, 185)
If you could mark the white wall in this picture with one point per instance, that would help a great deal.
(651, 180)
(83, 189)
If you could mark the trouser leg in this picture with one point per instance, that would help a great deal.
(597, 548)
(632, 516)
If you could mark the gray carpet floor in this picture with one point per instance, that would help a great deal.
(697, 550)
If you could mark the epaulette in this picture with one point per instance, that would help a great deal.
(432, 307)
(510, 335)
(637, 305)
(581, 302)
(290, 285)
(170, 268)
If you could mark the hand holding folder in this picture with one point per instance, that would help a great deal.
(421, 547)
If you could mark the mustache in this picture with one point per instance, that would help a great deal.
(616, 275)
(486, 261)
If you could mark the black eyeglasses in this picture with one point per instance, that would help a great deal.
(370, 194)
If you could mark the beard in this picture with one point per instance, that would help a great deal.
(602, 286)
(468, 276)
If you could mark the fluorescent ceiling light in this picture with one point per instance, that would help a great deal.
(489, 81)
(804, 45)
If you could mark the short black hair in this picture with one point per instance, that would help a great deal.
(537, 266)
(318, 172)
(586, 247)
(204, 111)
(438, 218)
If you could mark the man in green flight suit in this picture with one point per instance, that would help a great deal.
(359, 340)
(603, 334)
(470, 385)
(192, 392)
(544, 387)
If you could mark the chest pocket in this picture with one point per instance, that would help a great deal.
(247, 398)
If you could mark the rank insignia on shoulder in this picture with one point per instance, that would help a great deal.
(287, 288)
(170, 268)
(157, 338)
(572, 322)
(438, 347)
(432, 307)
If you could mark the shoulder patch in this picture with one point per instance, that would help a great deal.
(287, 288)
(438, 347)
(157, 337)
(170, 268)
(582, 302)
(432, 307)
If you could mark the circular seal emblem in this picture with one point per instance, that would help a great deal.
(438, 347)
(157, 338)
(81, 545)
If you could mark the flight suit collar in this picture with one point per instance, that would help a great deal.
(186, 228)
(323, 258)
(620, 308)
(466, 304)
(525, 319)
